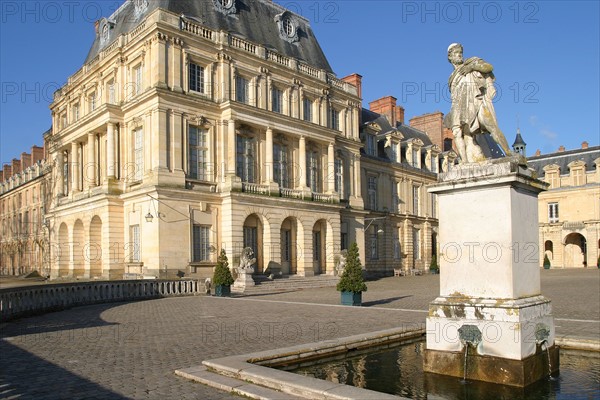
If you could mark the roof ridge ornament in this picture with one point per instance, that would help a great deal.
(226, 7)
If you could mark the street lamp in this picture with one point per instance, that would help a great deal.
(379, 231)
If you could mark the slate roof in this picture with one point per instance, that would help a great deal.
(564, 158)
(254, 20)
(408, 131)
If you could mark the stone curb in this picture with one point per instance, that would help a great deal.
(571, 343)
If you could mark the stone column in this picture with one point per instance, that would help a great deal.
(331, 168)
(231, 148)
(176, 45)
(160, 60)
(60, 162)
(110, 151)
(302, 160)
(74, 167)
(90, 168)
(269, 156)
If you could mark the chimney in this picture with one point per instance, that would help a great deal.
(561, 148)
(400, 114)
(7, 171)
(537, 153)
(16, 166)
(584, 145)
(385, 106)
(37, 154)
(355, 80)
(25, 160)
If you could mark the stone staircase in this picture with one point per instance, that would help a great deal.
(286, 284)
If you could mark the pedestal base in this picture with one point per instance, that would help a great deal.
(244, 281)
(493, 369)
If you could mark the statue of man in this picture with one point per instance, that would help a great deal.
(472, 90)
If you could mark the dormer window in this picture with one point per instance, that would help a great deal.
(104, 37)
(140, 7)
(226, 7)
(287, 26)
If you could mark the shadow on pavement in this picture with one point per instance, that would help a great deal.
(383, 301)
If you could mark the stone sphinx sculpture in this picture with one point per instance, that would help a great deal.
(246, 268)
(472, 113)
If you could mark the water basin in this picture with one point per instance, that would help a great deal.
(398, 369)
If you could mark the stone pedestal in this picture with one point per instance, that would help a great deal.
(490, 277)
(243, 280)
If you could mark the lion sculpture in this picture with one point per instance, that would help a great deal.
(247, 261)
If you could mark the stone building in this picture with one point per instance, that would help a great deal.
(195, 126)
(569, 211)
(23, 201)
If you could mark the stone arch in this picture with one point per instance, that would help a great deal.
(64, 250)
(255, 233)
(289, 245)
(78, 242)
(549, 249)
(322, 247)
(574, 254)
(93, 251)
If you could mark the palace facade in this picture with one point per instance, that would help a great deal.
(569, 211)
(195, 126)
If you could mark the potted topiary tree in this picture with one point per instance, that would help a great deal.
(433, 267)
(352, 283)
(546, 262)
(222, 279)
(598, 262)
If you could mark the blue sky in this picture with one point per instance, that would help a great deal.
(545, 56)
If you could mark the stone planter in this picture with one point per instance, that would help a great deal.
(223, 290)
(546, 267)
(351, 299)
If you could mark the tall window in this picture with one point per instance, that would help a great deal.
(394, 152)
(416, 200)
(415, 157)
(286, 237)
(317, 246)
(372, 192)
(434, 164)
(339, 177)
(395, 197)
(312, 169)
(307, 105)
(137, 79)
(552, 212)
(277, 100)
(280, 165)
(371, 145)
(112, 98)
(553, 179)
(245, 158)
(334, 119)
(396, 242)
(92, 101)
(138, 153)
(251, 239)
(134, 243)
(196, 78)
(201, 243)
(416, 244)
(66, 175)
(76, 112)
(26, 223)
(374, 243)
(578, 177)
(198, 150)
(344, 241)
(241, 89)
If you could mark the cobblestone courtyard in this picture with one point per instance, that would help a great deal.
(131, 350)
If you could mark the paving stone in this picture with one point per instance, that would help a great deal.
(131, 350)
